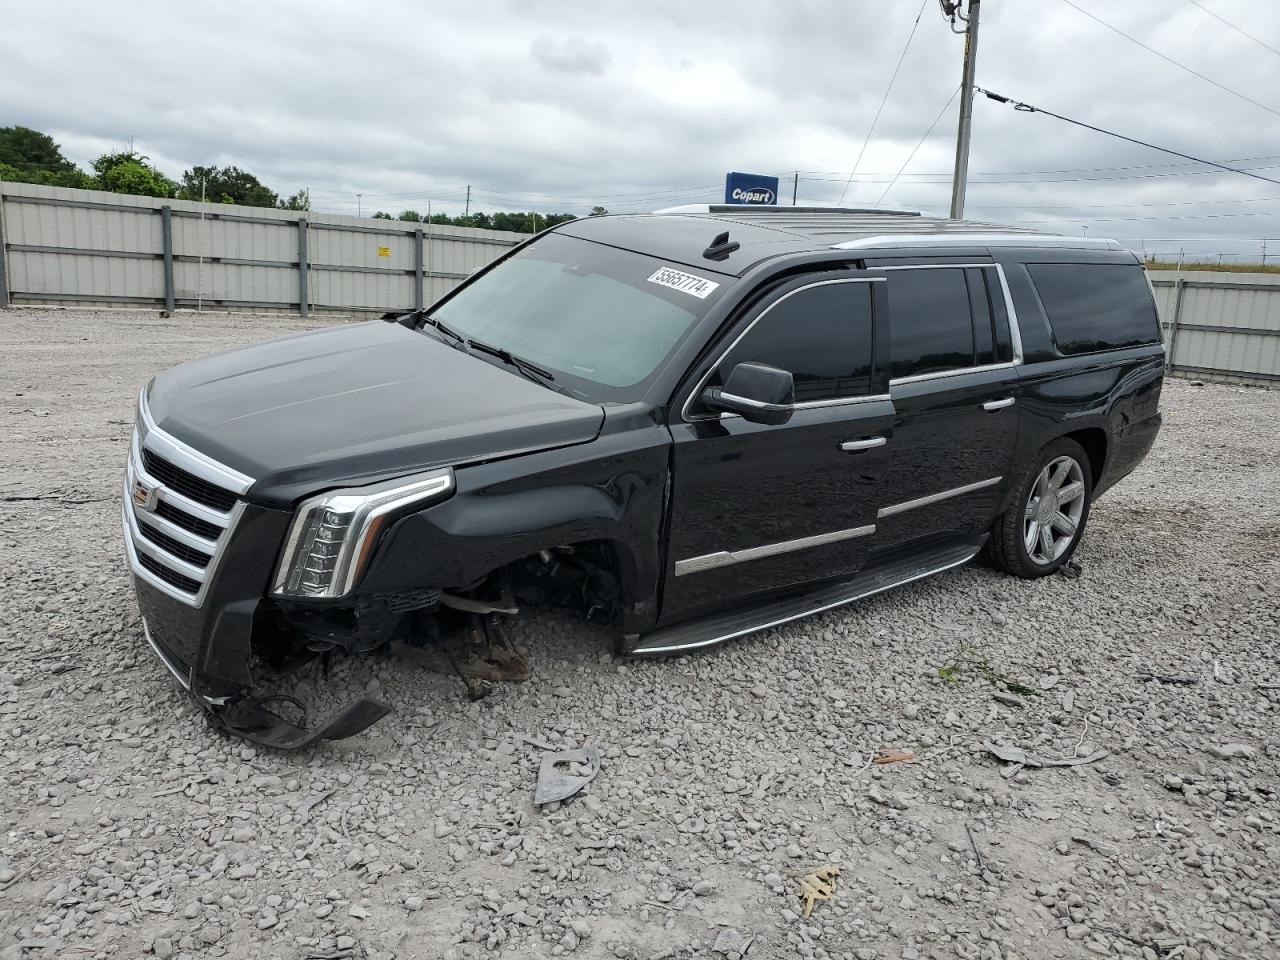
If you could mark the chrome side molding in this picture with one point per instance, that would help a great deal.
(724, 558)
(936, 497)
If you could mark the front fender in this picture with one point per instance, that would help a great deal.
(613, 489)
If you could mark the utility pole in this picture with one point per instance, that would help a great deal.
(467, 213)
(359, 204)
(961, 178)
(795, 188)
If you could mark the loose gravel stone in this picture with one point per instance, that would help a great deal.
(133, 828)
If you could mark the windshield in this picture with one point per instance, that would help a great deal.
(601, 319)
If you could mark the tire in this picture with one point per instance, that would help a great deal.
(1055, 526)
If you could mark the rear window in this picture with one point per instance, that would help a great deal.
(1095, 307)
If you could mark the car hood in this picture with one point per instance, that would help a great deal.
(358, 404)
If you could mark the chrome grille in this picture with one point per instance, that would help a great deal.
(179, 509)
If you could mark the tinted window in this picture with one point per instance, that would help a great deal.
(929, 320)
(822, 335)
(1096, 306)
(984, 350)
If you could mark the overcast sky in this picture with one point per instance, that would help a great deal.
(561, 105)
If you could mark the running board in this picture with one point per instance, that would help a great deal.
(707, 631)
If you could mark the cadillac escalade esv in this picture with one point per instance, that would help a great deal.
(693, 425)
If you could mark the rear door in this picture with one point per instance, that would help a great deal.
(759, 508)
(955, 390)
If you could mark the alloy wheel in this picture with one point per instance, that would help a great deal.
(1053, 510)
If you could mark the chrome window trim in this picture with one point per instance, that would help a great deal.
(1015, 331)
(978, 240)
(724, 558)
(805, 405)
(944, 374)
(755, 404)
(188, 458)
(936, 497)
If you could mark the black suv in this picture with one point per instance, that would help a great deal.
(695, 424)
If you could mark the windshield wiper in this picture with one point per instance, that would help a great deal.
(458, 339)
(530, 371)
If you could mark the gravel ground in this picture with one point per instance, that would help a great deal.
(132, 829)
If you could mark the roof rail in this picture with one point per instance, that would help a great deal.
(978, 240)
(780, 210)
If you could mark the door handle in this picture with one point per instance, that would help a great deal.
(855, 446)
(992, 405)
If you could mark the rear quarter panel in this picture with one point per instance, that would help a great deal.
(1115, 391)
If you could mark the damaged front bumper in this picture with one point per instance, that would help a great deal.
(202, 558)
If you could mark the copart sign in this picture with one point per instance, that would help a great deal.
(752, 189)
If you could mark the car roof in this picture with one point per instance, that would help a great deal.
(683, 234)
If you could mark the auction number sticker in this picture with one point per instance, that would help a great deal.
(684, 282)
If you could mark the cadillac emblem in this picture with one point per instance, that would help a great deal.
(144, 497)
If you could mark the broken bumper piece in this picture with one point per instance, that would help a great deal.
(231, 705)
(251, 719)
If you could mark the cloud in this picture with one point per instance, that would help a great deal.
(562, 106)
(571, 55)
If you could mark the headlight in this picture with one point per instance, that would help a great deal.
(333, 535)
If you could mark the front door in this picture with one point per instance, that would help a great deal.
(759, 508)
(955, 391)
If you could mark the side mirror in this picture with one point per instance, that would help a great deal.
(757, 392)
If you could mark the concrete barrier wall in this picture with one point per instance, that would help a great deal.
(86, 247)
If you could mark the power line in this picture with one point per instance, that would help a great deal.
(883, 100)
(818, 174)
(911, 155)
(1028, 108)
(1168, 59)
(1243, 33)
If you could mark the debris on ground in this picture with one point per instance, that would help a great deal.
(818, 885)
(554, 785)
(1020, 758)
(1096, 845)
(893, 756)
(313, 801)
(982, 865)
(1176, 679)
(732, 943)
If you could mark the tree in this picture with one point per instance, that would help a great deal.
(382, 215)
(299, 201)
(226, 185)
(29, 156)
(598, 212)
(411, 216)
(127, 171)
